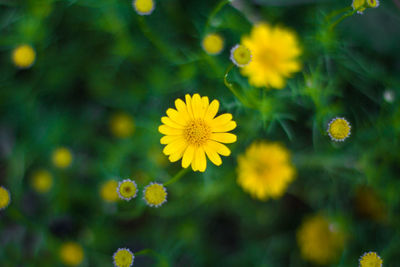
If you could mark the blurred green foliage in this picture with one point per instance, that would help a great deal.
(98, 58)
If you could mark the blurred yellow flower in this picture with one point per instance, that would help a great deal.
(321, 241)
(127, 189)
(62, 157)
(5, 198)
(71, 253)
(370, 259)
(240, 55)
(155, 194)
(275, 52)
(265, 170)
(108, 191)
(122, 125)
(213, 43)
(339, 129)
(144, 7)
(42, 181)
(192, 132)
(23, 56)
(123, 257)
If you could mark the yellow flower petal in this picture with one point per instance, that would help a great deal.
(212, 110)
(212, 155)
(164, 129)
(223, 137)
(221, 119)
(200, 160)
(174, 147)
(224, 127)
(182, 110)
(219, 148)
(177, 155)
(176, 116)
(167, 121)
(187, 156)
(169, 138)
(189, 106)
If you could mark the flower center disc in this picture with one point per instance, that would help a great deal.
(197, 132)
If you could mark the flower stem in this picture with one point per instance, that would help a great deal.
(177, 177)
(217, 8)
(337, 12)
(349, 14)
(232, 88)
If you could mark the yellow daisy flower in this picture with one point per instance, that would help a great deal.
(108, 191)
(192, 132)
(370, 259)
(275, 52)
(5, 198)
(155, 195)
(339, 129)
(123, 257)
(321, 241)
(23, 56)
(62, 157)
(127, 189)
(240, 55)
(213, 43)
(265, 170)
(42, 181)
(144, 7)
(71, 254)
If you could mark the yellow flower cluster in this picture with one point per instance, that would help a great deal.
(155, 194)
(23, 56)
(122, 125)
(5, 198)
(321, 240)
(213, 43)
(71, 254)
(339, 129)
(361, 5)
(370, 259)
(123, 257)
(42, 181)
(144, 7)
(108, 191)
(62, 157)
(265, 170)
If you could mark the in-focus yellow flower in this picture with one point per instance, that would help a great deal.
(275, 52)
(265, 170)
(62, 157)
(71, 253)
(144, 7)
(23, 56)
(370, 259)
(42, 181)
(213, 43)
(155, 194)
(321, 241)
(192, 132)
(5, 198)
(240, 55)
(123, 257)
(108, 191)
(339, 129)
(127, 189)
(122, 125)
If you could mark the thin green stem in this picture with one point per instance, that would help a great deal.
(214, 12)
(232, 88)
(177, 177)
(337, 12)
(349, 14)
